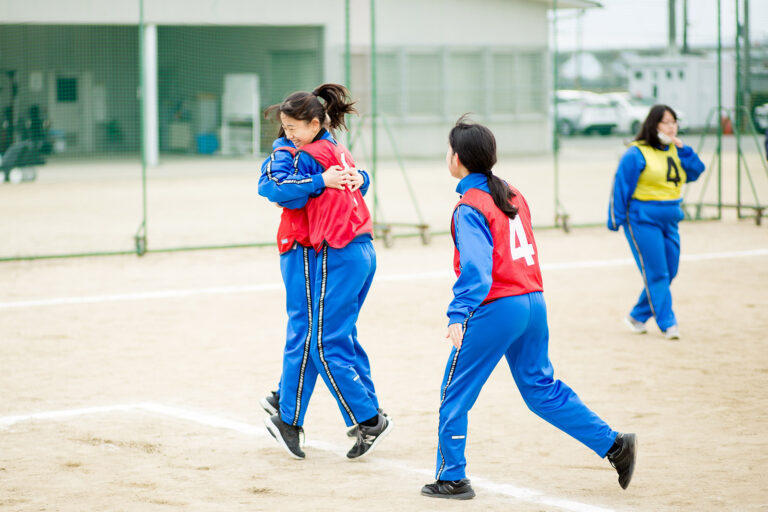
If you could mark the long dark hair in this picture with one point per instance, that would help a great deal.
(476, 147)
(649, 132)
(306, 106)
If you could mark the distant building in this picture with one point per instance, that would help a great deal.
(685, 82)
(208, 62)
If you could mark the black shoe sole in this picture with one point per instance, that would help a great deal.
(275, 432)
(461, 496)
(267, 407)
(631, 470)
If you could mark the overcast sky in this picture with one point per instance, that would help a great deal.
(621, 24)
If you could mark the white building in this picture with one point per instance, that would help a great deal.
(684, 82)
(79, 61)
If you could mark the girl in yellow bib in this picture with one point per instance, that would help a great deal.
(645, 199)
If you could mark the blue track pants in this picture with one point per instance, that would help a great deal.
(343, 278)
(653, 237)
(515, 328)
(299, 371)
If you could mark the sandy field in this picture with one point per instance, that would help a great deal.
(132, 384)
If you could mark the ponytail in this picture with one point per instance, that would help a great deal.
(306, 106)
(476, 147)
(338, 104)
(501, 194)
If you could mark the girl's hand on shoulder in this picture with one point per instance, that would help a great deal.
(334, 177)
(456, 334)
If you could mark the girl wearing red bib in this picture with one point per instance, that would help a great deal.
(497, 311)
(340, 232)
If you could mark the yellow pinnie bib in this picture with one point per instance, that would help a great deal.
(663, 176)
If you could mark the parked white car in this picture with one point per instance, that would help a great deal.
(761, 117)
(584, 112)
(631, 112)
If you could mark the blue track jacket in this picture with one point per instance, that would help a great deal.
(283, 184)
(625, 182)
(475, 244)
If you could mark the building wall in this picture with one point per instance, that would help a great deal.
(436, 58)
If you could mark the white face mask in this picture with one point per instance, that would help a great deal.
(665, 139)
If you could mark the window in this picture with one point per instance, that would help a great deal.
(519, 83)
(451, 81)
(425, 84)
(638, 75)
(530, 85)
(504, 73)
(66, 90)
(465, 83)
(388, 81)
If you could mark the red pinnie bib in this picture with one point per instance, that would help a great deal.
(515, 256)
(294, 225)
(335, 217)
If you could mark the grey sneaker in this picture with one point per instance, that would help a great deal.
(271, 403)
(452, 490)
(635, 326)
(368, 437)
(352, 432)
(622, 457)
(287, 436)
(672, 333)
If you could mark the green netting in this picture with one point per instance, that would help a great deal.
(78, 94)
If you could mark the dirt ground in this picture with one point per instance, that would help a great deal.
(176, 349)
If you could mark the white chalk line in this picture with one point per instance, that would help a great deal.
(510, 491)
(418, 276)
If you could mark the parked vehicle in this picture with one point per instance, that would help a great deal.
(761, 117)
(584, 112)
(630, 112)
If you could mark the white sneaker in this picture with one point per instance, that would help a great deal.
(672, 333)
(636, 326)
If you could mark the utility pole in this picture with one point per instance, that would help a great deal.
(579, 55)
(685, 26)
(672, 26)
(747, 100)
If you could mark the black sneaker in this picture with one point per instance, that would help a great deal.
(352, 432)
(271, 403)
(369, 437)
(288, 436)
(622, 457)
(451, 490)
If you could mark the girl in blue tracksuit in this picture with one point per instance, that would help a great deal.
(498, 310)
(645, 199)
(336, 283)
(281, 184)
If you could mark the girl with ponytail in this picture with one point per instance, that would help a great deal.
(497, 311)
(327, 262)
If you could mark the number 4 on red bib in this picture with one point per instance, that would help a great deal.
(518, 242)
